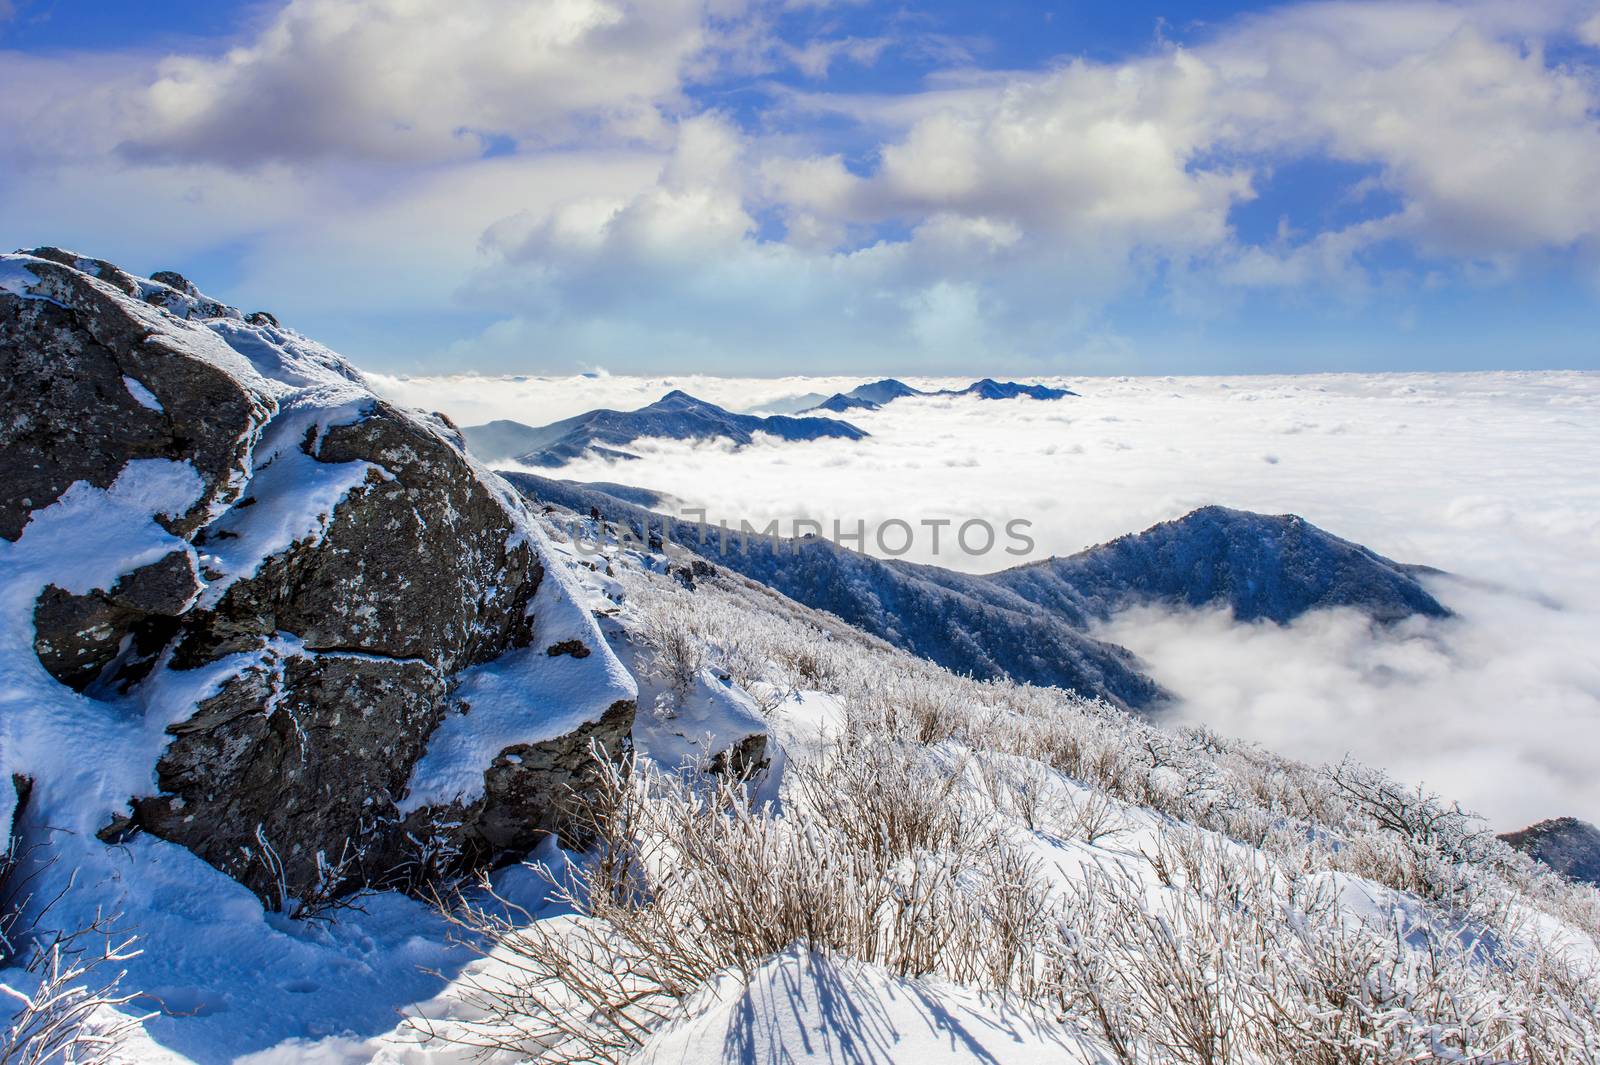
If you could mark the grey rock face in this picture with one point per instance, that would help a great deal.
(743, 759)
(306, 777)
(413, 565)
(329, 629)
(78, 636)
(1569, 846)
(530, 787)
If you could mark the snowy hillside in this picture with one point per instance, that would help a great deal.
(1032, 623)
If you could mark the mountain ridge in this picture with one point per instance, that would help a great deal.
(1011, 624)
(875, 394)
(675, 416)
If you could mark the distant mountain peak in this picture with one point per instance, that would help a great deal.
(675, 416)
(989, 388)
(1034, 624)
(1271, 567)
(876, 394)
(1569, 846)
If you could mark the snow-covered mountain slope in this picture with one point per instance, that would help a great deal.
(933, 867)
(265, 638)
(963, 622)
(923, 866)
(675, 416)
(248, 605)
(1031, 623)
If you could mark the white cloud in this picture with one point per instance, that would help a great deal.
(1461, 121)
(816, 57)
(1039, 196)
(401, 80)
(1589, 31)
(1497, 709)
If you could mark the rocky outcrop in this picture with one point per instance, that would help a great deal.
(342, 565)
(1569, 846)
(70, 351)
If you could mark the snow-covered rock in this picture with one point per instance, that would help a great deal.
(251, 608)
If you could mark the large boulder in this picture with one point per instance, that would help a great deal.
(299, 628)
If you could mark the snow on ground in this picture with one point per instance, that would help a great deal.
(1490, 476)
(801, 1007)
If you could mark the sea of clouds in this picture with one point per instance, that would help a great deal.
(1490, 476)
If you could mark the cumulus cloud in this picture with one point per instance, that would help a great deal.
(1472, 473)
(1002, 212)
(1099, 151)
(1456, 105)
(406, 81)
(1459, 109)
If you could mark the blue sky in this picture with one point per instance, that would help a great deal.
(777, 186)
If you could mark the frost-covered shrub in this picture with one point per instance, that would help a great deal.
(665, 621)
(59, 990)
(63, 1010)
(687, 881)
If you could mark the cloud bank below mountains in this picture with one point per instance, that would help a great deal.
(1476, 474)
